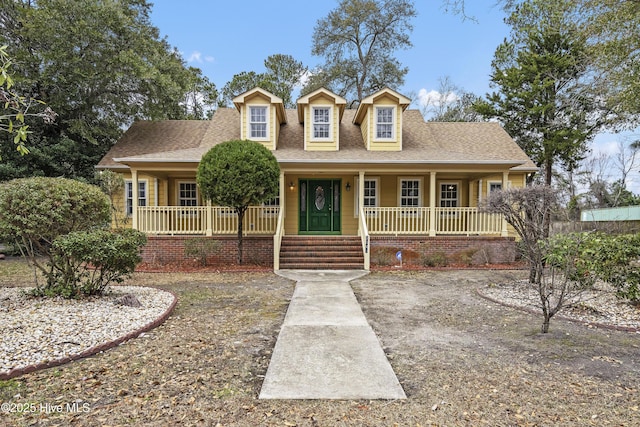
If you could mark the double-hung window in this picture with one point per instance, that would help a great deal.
(258, 122)
(371, 194)
(384, 123)
(321, 122)
(410, 195)
(142, 195)
(494, 186)
(410, 192)
(449, 195)
(187, 194)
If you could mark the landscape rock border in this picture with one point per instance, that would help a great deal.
(16, 372)
(559, 316)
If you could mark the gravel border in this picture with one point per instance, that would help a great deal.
(600, 308)
(18, 371)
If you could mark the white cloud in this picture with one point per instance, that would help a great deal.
(435, 98)
(199, 58)
(195, 57)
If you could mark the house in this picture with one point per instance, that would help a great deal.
(352, 182)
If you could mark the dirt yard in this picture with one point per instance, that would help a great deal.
(462, 360)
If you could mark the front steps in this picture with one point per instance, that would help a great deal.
(321, 253)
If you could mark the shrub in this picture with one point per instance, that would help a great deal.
(84, 263)
(435, 259)
(201, 249)
(34, 211)
(611, 258)
(384, 256)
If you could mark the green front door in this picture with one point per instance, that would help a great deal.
(320, 206)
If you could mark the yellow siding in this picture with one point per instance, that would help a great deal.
(331, 144)
(273, 127)
(365, 131)
(291, 205)
(119, 199)
(368, 126)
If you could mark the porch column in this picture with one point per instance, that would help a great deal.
(361, 196)
(432, 204)
(209, 220)
(505, 182)
(282, 191)
(134, 197)
(469, 197)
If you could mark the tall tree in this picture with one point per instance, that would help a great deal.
(614, 31)
(201, 96)
(283, 73)
(99, 65)
(450, 103)
(358, 39)
(15, 108)
(545, 96)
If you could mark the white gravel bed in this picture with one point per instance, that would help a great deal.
(37, 330)
(597, 306)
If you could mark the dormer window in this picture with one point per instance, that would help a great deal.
(384, 123)
(258, 122)
(321, 122)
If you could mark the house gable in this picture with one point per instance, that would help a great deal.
(380, 119)
(261, 114)
(320, 112)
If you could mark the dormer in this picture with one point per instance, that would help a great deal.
(321, 112)
(380, 119)
(261, 114)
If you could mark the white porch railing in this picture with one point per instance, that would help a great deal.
(363, 232)
(194, 220)
(277, 240)
(263, 220)
(459, 221)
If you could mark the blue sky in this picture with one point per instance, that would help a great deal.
(239, 36)
(226, 38)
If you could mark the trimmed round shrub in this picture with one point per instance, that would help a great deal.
(34, 211)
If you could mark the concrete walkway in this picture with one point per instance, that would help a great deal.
(326, 349)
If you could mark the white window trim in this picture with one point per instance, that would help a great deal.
(146, 194)
(394, 123)
(357, 193)
(406, 209)
(490, 183)
(496, 182)
(267, 118)
(178, 196)
(458, 185)
(330, 137)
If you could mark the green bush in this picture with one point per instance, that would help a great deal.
(86, 262)
(201, 249)
(587, 257)
(34, 211)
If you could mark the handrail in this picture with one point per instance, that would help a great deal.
(416, 220)
(198, 219)
(363, 231)
(277, 240)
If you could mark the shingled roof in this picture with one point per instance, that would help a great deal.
(423, 142)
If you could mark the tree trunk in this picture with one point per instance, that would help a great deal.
(545, 324)
(240, 212)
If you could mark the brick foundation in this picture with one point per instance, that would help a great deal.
(257, 250)
(472, 250)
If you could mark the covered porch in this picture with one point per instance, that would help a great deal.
(367, 204)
